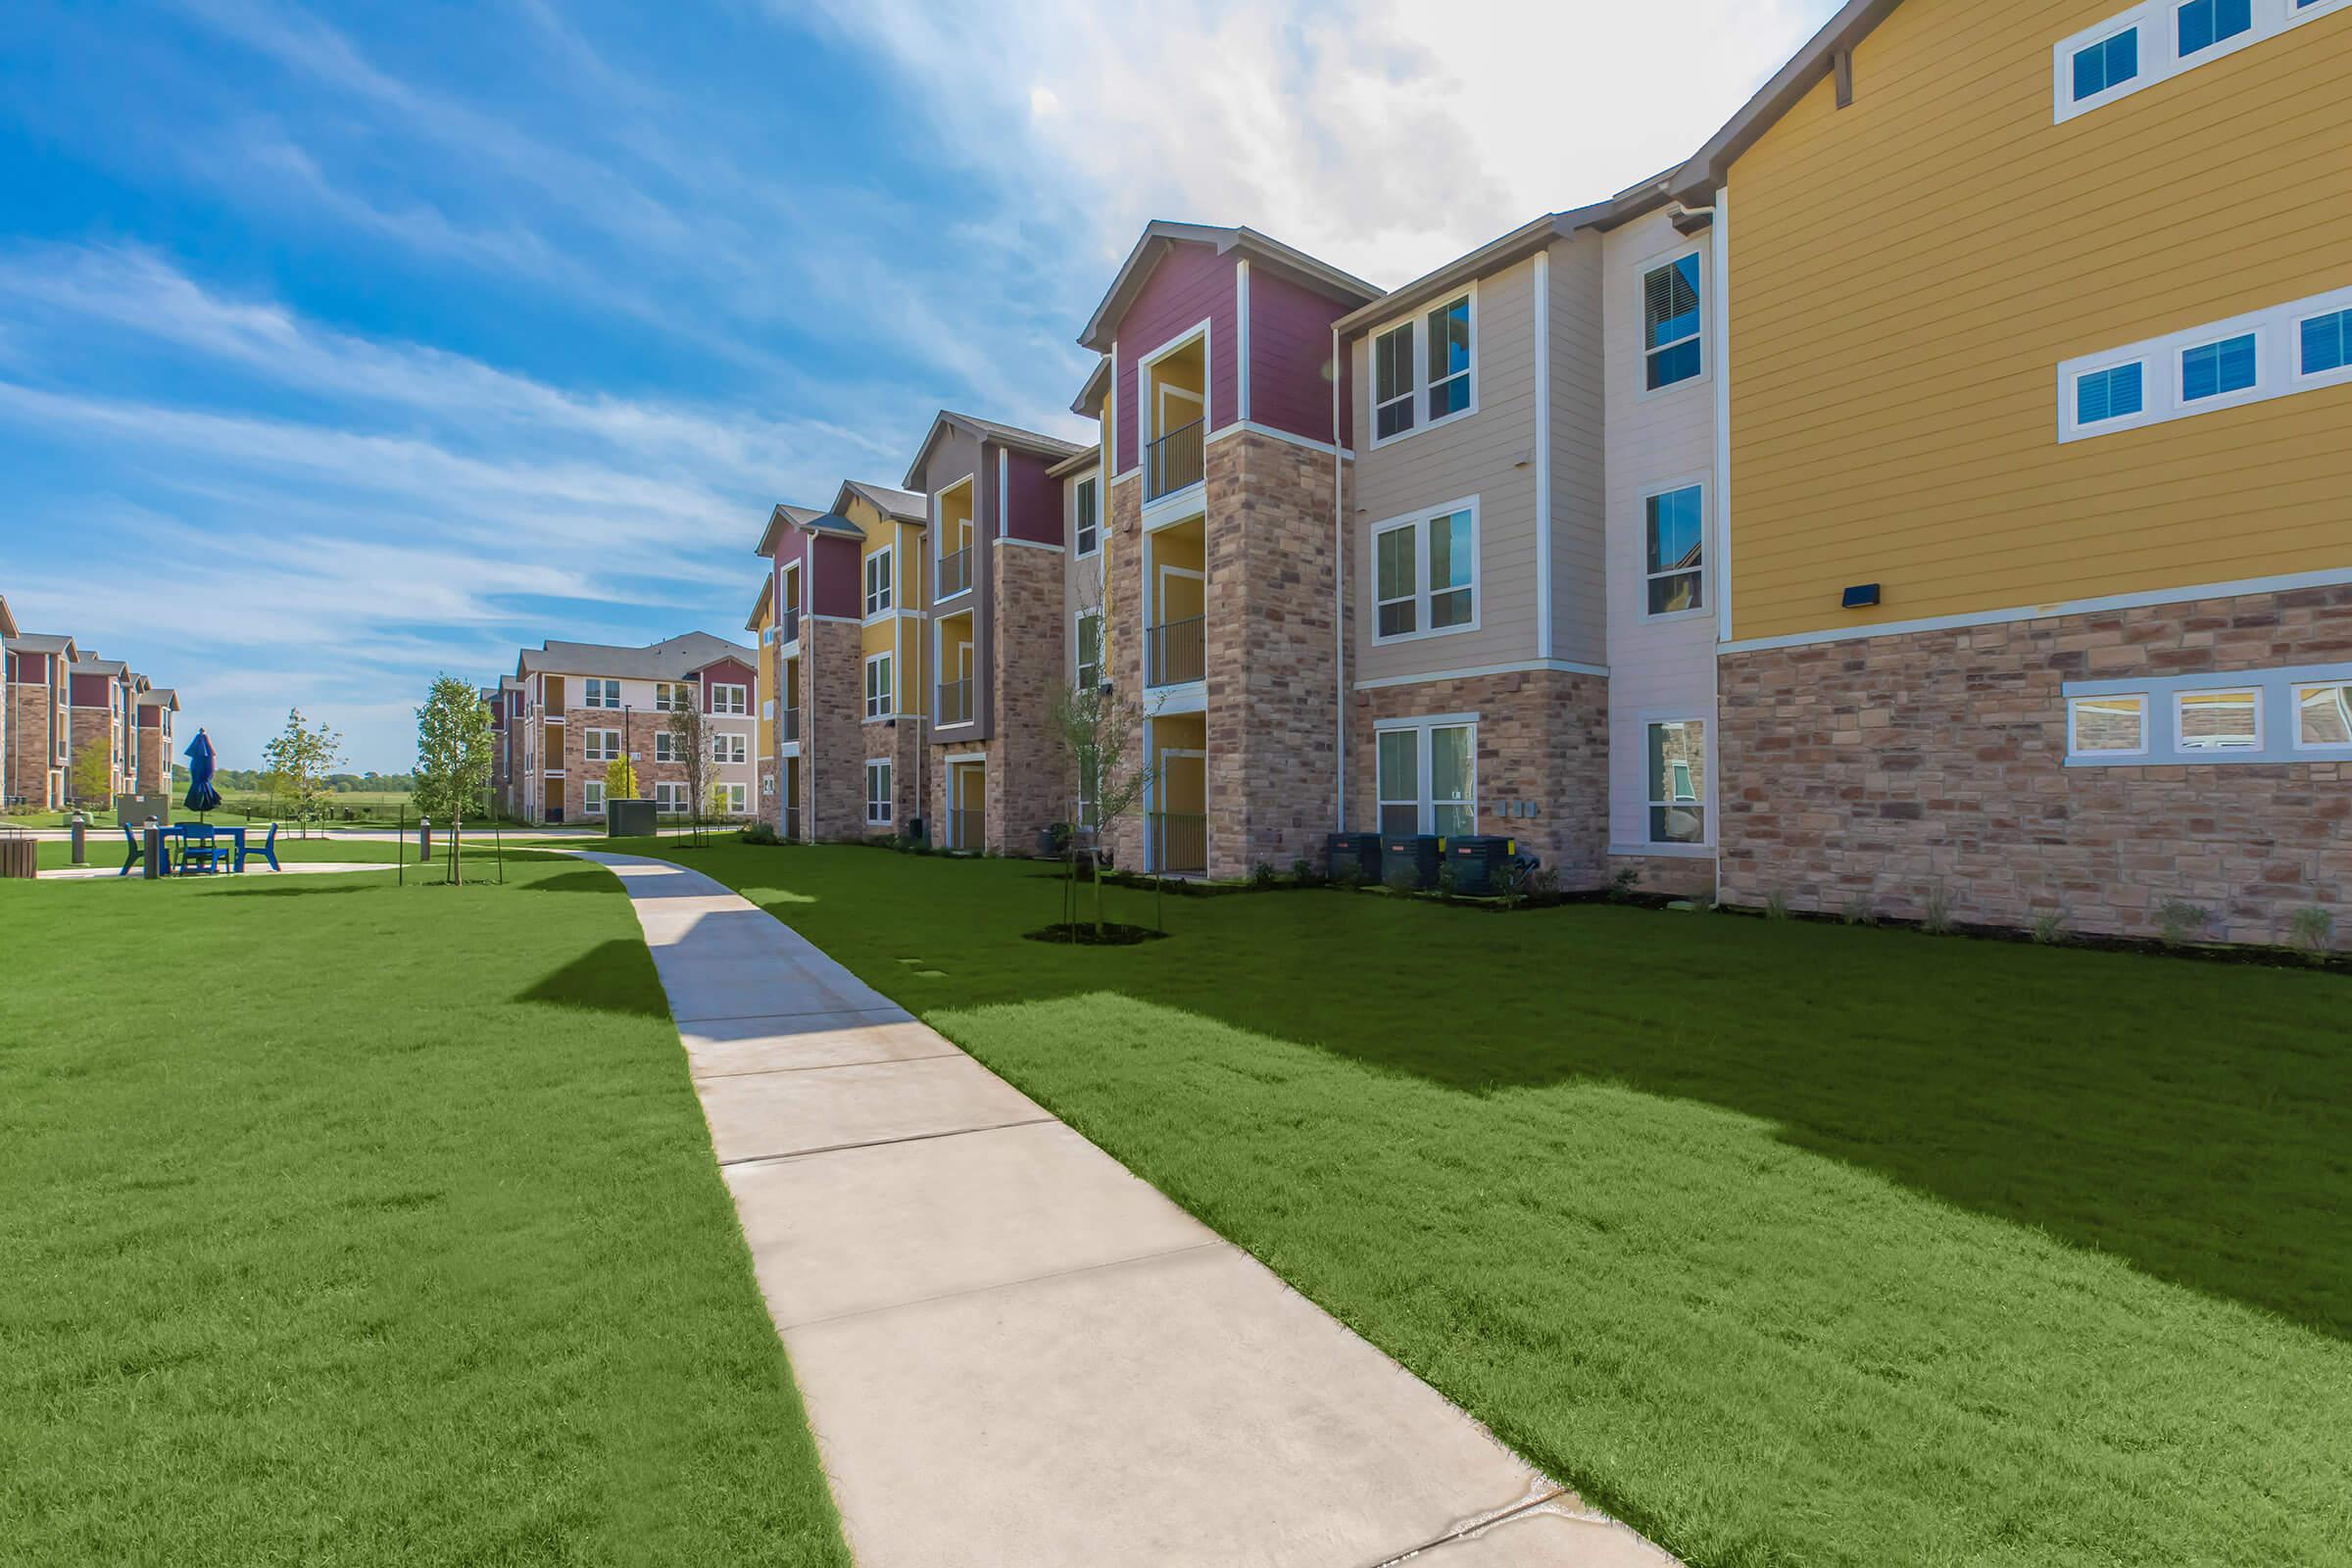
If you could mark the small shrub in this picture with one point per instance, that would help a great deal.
(1857, 912)
(1447, 881)
(1622, 885)
(1304, 872)
(2049, 927)
(2313, 933)
(762, 833)
(1402, 875)
(1543, 883)
(1776, 908)
(2180, 922)
(1935, 911)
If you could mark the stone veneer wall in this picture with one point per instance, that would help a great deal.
(637, 728)
(1273, 732)
(91, 728)
(832, 729)
(1123, 631)
(1027, 790)
(1542, 736)
(28, 752)
(1674, 876)
(1875, 769)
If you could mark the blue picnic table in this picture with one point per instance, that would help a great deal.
(183, 831)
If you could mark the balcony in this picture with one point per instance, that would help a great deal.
(954, 573)
(1173, 461)
(1176, 653)
(789, 724)
(955, 702)
(1180, 842)
(788, 627)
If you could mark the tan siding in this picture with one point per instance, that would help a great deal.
(1580, 606)
(1909, 273)
(1488, 455)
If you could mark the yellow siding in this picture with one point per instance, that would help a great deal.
(900, 634)
(1909, 273)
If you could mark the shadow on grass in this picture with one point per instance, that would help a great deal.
(615, 976)
(2189, 1118)
(291, 890)
(576, 882)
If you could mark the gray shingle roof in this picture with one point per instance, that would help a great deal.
(672, 658)
(783, 514)
(903, 504)
(34, 642)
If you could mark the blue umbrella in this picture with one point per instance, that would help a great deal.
(202, 796)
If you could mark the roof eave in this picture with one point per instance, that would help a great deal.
(1702, 174)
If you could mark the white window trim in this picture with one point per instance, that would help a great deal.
(2277, 361)
(1418, 321)
(865, 584)
(1706, 794)
(665, 747)
(890, 695)
(1706, 553)
(1078, 620)
(592, 797)
(2222, 400)
(2160, 58)
(888, 796)
(668, 792)
(1425, 807)
(728, 750)
(939, 534)
(593, 694)
(2222, 688)
(600, 745)
(1093, 476)
(1419, 522)
(1644, 392)
(1201, 331)
(2278, 727)
(2073, 727)
(2294, 734)
(735, 705)
(789, 601)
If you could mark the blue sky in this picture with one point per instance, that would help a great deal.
(342, 346)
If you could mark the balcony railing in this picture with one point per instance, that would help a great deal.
(956, 701)
(954, 573)
(788, 627)
(1177, 652)
(1180, 842)
(1172, 462)
(791, 722)
(967, 830)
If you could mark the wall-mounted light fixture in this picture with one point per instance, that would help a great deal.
(1861, 596)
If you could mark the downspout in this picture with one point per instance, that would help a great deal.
(1339, 594)
(1721, 247)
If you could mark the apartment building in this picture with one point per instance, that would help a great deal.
(993, 498)
(761, 625)
(584, 706)
(2036, 565)
(1531, 654)
(39, 719)
(102, 695)
(154, 749)
(814, 566)
(1223, 411)
(894, 648)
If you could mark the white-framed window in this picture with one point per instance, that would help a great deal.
(600, 745)
(2300, 346)
(1424, 576)
(1676, 766)
(878, 689)
(2223, 719)
(877, 792)
(670, 696)
(2107, 726)
(599, 693)
(726, 699)
(669, 797)
(592, 797)
(666, 747)
(732, 799)
(2157, 40)
(1089, 649)
(1427, 776)
(726, 749)
(1086, 514)
(2324, 715)
(2289, 715)
(1425, 369)
(878, 582)
(767, 709)
(1673, 320)
(1674, 551)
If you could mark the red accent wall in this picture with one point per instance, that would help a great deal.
(1290, 357)
(91, 691)
(726, 672)
(832, 576)
(1036, 498)
(1191, 285)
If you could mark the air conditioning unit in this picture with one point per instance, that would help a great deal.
(1479, 862)
(1410, 857)
(1351, 856)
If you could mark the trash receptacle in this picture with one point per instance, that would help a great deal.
(80, 822)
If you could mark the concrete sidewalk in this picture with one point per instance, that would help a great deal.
(1014, 1352)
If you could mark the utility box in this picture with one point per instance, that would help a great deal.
(629, 819)
(1410, 860)
(1351, 856)
(1480, 862)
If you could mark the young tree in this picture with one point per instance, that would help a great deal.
(620, 779)
(93, 776)
(1102, 741)
(689, 742)
(453, 758)
(301, 756)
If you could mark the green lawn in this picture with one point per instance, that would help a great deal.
(351, 1224)
(1791, 1243)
